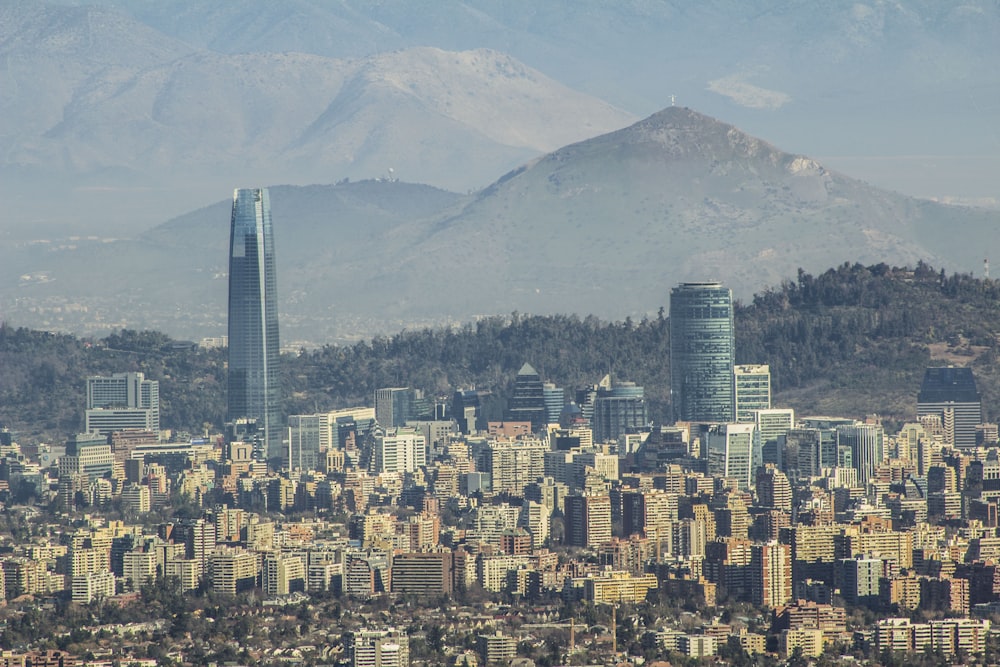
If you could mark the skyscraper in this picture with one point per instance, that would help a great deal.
(617, 410)
(702, 352)
(951, 393)
(254, 378)
(527, 404)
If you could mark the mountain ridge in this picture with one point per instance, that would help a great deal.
(604, 226)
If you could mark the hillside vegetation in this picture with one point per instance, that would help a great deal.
(851, 341)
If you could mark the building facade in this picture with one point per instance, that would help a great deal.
(702, 352)
(951, 394)
(123, 401)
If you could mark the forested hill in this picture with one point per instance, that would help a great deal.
(849, 342)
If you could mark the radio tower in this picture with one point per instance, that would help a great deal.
(986, 268)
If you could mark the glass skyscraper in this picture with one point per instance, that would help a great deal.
(702, 352)
(254, 377)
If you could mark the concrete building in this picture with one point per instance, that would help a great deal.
(771, 574)
(123, 401)
(588, 520)
(399, 450)
(379, 648)
(733, 451)
(751, 390)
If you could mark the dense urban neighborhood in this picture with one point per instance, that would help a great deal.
(572, 528)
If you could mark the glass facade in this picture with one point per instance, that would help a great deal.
(702, 352)
(254, 378)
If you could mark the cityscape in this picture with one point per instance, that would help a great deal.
(416, 530)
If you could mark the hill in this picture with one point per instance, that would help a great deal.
(604, 226)
(849, 341)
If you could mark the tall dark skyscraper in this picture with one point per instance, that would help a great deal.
(950, 393)
(528, 401)
(254, 378)
(702, 352)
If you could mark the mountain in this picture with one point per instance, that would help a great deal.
(898, 91)
(605, 227)
(106, 120)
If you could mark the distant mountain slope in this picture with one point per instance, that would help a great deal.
(605, 227)
(95, 101)
(609, 224)
(876, 76)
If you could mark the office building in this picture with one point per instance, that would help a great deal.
(733, 451)
(751, 390)
(254, 375)
(306, 435)
(555, 401)
(771, 425)
(866, 443)
(702, 352)
(951, 394)
(618, 411)
(394, 406)
(399, 450)
(87, 454)
(806, 452)
(527, 404)
(123, 401)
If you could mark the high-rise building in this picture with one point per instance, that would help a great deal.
(770, 574)
(618, 410)
(751, 390)
(87, 454)
(527, 404)
(555, 401)
(399, 450)
(951, 394)
(867, 447)
(858, 580)
(733, 451)
(702, 352)
(773, 489)
(394, 406)
(771, 425)
(254, 377)
(588, 520)
(122, 401)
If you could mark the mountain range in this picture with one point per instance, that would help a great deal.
(604, 226)
(118, 114)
